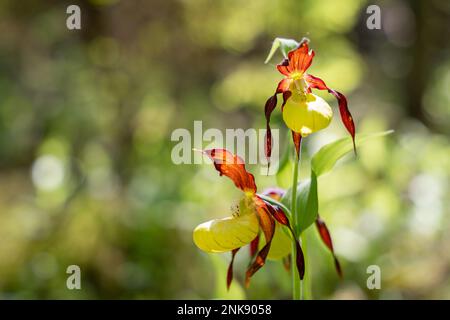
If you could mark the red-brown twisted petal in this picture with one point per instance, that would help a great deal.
(281, 217)
(278, 214)
(260, 260)
(297, 138)
(300, 259)
(233, 167)
(326, 238)
(267, 225)
(299, 60)
(271, 104)
(254, 246)
(346, 116)
(230, 268)
(266, 222)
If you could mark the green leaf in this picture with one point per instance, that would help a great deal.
(307, 203)
(322, 162)
(285, 45)
(325, 159)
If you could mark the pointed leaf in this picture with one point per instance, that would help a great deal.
(325, 159)
(307, 203)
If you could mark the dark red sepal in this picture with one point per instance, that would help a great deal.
(326, 238)
(230, 268)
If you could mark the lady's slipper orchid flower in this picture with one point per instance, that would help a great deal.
(254, 215)
(303, 112)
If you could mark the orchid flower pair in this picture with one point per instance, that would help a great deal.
(303, 113)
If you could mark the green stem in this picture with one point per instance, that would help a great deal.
(307, 292)
(296, 284)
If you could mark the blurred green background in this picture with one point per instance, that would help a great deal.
(86, 117)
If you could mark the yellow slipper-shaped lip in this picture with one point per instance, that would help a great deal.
(222, 235)
(306, 113)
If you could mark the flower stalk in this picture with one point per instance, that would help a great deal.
(306, 283)
(296, 282)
